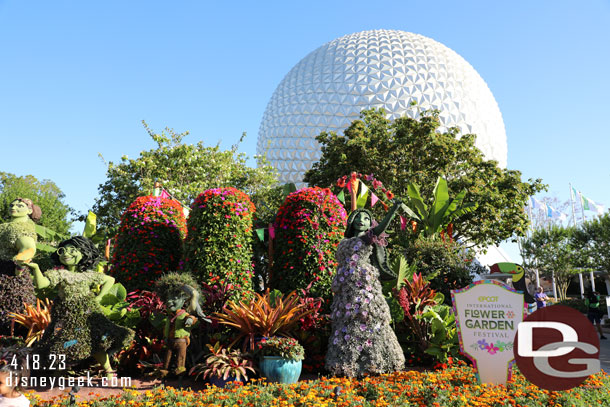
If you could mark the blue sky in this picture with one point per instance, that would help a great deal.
(77, 78)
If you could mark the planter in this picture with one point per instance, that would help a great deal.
(279, 370)
(220, 382)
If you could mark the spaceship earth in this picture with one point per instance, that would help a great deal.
(387, 69)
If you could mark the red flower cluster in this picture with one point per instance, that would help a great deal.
(218, 249)
(308, 227)
(149, 242)
(343, 181)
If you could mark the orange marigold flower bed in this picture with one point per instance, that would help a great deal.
(456, 386)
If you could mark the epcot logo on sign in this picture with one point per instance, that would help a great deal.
(557, 348)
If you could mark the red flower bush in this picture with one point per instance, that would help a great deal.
(218, 248)
(308, 227)
(149, 242)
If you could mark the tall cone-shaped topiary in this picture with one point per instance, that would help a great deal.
(149, 242)
(308, 227)
(218, 248)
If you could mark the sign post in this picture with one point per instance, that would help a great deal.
(488, 314)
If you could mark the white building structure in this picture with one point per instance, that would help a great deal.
(387, 69)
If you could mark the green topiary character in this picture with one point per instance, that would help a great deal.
(308, 227)
(17, 246)
(362, 340)
(180, 293)
(78, 327)
(149, 242)
(218, 246)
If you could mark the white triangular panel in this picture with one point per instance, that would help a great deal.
(328, 88)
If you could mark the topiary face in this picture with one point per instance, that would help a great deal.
(19, 209)
(362, 222)
(69, 255)
(176, 301)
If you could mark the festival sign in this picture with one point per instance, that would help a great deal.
(488, 314)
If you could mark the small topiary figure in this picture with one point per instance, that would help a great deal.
(308, 227)
(180, 294)
(149, 242)
(79, 329)
(218, 247)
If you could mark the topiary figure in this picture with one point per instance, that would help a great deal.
(17, 246)
(149, 242)
(218, 246)
(179, 291)
(308, 227)
(79, 329)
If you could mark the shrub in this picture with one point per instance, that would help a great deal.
(218, 247)
(264, 316)
(446, 263)
(308, 228)
(149, 242)
(579, 304)
(224, 363)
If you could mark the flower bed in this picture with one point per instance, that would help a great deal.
(455, 386)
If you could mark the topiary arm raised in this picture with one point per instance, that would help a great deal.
(385, 222)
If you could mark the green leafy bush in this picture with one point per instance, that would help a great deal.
(579, 304)
(308, 228)
(149, 242)
(447, 264)
(218, 247)
(117, 309)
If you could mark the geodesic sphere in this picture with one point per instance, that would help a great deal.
(328, 88)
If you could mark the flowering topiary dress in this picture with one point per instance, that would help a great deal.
(361, 340)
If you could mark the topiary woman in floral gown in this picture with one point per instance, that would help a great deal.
(79, 329)
(362, 340)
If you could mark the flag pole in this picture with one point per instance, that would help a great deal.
(582, 207)
(572, 202)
